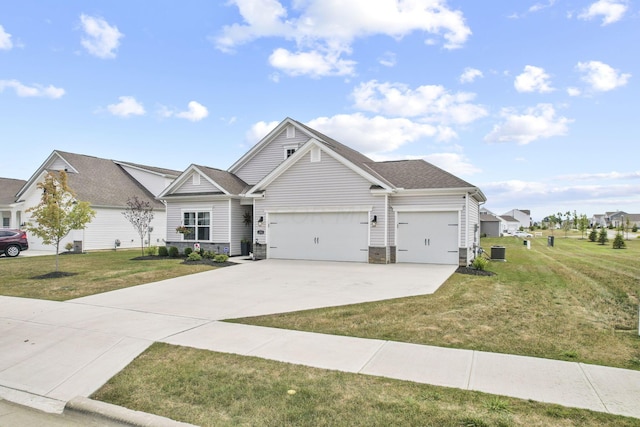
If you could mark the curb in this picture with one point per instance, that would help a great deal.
(119, 414)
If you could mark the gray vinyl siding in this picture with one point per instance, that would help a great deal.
(269, 157)
(434, 201)
(219, 221)
(188, 187)
(325, 184)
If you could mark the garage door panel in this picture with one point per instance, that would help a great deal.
(327, 236)
(427, 237)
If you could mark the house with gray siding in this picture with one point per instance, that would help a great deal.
(299, 194)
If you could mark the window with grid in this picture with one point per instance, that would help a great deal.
(198, 225)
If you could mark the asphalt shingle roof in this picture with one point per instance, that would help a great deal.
(102, 182)
(414, 174)
(230, 182)
(9, 187)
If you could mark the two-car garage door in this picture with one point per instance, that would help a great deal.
(427, 237)
(323, 236)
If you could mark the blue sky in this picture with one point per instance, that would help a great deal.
(534, 102)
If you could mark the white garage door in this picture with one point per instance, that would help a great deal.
(427, 237)
(325, 236)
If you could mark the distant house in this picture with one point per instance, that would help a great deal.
(599, 220)
(106, 185)
(615, 219)
(509, 224)
(299, 194)
(490, 225)
(9, 212)
(522, 216)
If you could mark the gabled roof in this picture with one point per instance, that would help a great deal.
(226, 182)
(101, 182)
(169, 173)
(9, 188)
(485, 217)
(508, 218)
(414, 174)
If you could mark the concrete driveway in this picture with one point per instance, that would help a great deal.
(51, 352)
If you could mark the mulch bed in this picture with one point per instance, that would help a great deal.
(474, 271)
(53, 275)
(205, 261)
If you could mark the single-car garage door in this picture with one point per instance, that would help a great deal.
(427, 237)
(322, 236)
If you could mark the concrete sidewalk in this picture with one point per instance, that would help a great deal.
(52, 352)
(577, 385)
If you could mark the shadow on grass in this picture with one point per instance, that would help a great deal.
(53, 275)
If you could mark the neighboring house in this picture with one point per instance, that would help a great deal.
(11, 216)
(509, 224)
(599, 220)
(106, 185)
(298, 194)
(522, 216)
(490, 225)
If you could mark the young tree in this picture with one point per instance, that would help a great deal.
(140, 214)
(618, 242)
(583, 224)
(566, 223)
(593, 235)
(602, 236)
(58, 211)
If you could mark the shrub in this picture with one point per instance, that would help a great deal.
(173, 252)
(602, 236)
(194, 256)
(618, 242)
(593, 235)
(479, 263)
(634, 228)
(163, 251)
(220, 258)
(187, 251)
(151, 250)
(68, 246)
(209, 254)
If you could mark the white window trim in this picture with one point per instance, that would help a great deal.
(291, 132)
(288, 147)
(195, 179)
(196, 211)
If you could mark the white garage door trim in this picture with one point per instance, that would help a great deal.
(427, 236)
(319, 234)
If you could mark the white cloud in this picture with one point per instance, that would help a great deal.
(610, 10)
(36, 90)
(5, 40)
(312, 63)
(324, 30)
(574, 91)
(431, 103)
(388, 59)
(195, 113)
(469, 75)
(601, 77)
(258, 131)
(128, 106)
(536, 123)
(102, 39)
(540, 6)
(371, 135)
(533, 79)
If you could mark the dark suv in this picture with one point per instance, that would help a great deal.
(13, 241)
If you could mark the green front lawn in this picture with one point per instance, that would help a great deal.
(576, 301)
(92, 273)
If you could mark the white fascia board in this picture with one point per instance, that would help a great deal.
(261, 144)
(196, 198)
(137, 167)
(462, 191)
(40, 171)
(211, 181)
(306, 147)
